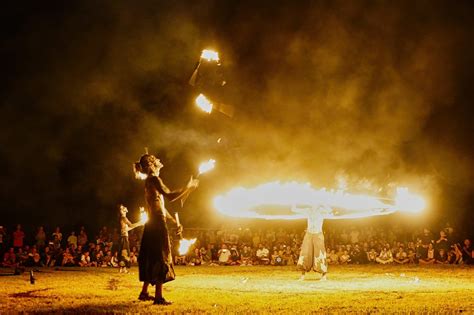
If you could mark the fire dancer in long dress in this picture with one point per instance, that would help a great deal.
(124, 245)
(313, 250)
(155, 262)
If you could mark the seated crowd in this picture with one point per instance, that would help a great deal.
(243, 247)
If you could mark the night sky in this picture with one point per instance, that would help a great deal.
(378, 92)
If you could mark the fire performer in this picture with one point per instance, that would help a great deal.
(155, 262)
(313, 250)
(124, 245)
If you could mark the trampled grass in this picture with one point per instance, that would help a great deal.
(257, 289)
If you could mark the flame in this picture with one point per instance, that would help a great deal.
(203, 103)
(207, 166)
(406, 201)
(184, 245)
(210, 55)
(143, 215)
(244, 203)
(139, 175)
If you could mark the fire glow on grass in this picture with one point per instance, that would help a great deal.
(243, 202)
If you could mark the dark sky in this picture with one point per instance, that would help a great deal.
(377, 91)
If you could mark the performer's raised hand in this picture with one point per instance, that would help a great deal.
(179, 230)
(193, 183)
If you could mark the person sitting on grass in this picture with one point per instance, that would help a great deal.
(246, 256)
(441, 257)
(385, 256)
(195, 258)
(372, 255)
(224, 255)
(333, 258)
(401, 257)
(467, 252)
(429, 258)
(235, 256)
(345, 257)
(262, 255)
(68, 259)
(411, 256)
(86, 260)
(9, 258)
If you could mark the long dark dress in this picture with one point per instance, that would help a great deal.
(155, 263)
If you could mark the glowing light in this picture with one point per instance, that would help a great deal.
(408, 202)
(139, 175)
(143, 215)
(210, 55)
(203, 103)
(185, 244)
(206, 166)
(244, 203)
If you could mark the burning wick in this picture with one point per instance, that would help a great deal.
(143, 215)
(206, 166)
(210, 55)
(203, 103)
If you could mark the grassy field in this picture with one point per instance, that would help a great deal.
(374, 289)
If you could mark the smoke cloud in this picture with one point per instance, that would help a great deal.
(373, 91)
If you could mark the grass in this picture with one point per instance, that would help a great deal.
(257, 289)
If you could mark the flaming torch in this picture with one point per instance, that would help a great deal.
(184, 244)
(207, 106)
(210, 55)
(206, 166)
(203, 103)
(207, 55)
(203, 168)
(143, 215)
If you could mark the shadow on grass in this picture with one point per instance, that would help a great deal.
(93, 308)
(29, 294)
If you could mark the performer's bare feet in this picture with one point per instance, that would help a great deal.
(144, 296)
(301, 278)
(324, 277)
(162, 301)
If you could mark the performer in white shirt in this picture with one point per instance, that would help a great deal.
(313, 250)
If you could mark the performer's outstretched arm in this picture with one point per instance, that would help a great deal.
(363, 214)
(175, 194)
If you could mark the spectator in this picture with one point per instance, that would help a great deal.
(72, 239)
(442, 257)
(40, 238)
(333, 258)
(224, 255)
(345, 257)
(68, 259)
(246, 256)
(430, 256)
(3, 240)
(385, 256)
(235, 256)
(442, 242)
(401, 257)
(467, 252)
(57, 233)
(195, 259)
(18, 237)
(82, 238)
(9, 258)
(262, 255)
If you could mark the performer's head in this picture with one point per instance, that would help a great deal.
(148, 165)
(123, 210)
